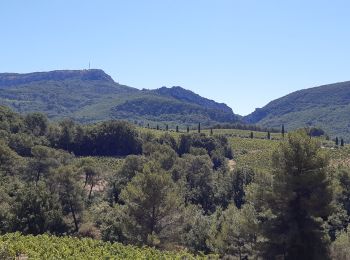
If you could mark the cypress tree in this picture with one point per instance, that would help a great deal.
(188, 129)
(177, 129)
(148, 125)
(336, 141)
(282, 131)
(251, 135)
(166, 127)
(268, 135)
(211, 131)
(342, 142)
(199, 127)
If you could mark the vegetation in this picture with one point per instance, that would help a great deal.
(326, 107)
(92, 96)
(51, 247)
(101, 189)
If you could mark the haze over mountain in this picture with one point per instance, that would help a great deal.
(92, 95)
(326, 106)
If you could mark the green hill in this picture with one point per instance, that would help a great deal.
(326, 106)
(92, 95)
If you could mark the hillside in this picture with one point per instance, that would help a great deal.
(92, 95)
(325, 106)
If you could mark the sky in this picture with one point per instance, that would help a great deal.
(244, 53)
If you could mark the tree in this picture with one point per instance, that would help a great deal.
(336, 141)
(235, 232)
(300, 200)
(43, 161)
(166, 127)
(153, 207)
(116, 138)
(130, 167)
(65, 182)
(268, 135)
(251, 135)
(196, 229)
(342, 142)
(9, 160)
(188, 129)
(92, 174)
(67, 134)
(157, 127)
(36, 123)
(199, 127)
(197, 173)
(177, 129)
(282, 131)
(211, 131)
(37, 211)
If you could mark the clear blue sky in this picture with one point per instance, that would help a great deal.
(244, 53)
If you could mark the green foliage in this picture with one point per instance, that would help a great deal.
(222, 192)
(51, 247)
(326, 107)
(340, 249)
(91, 96)
(197, 173)
(153, 207)
(109, 138)
(300, 200)
(235, 232)
(37, 211)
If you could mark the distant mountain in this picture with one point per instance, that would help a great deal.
(92, 95)
(190, 97)
(325, 106)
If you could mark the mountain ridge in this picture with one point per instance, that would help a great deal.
(92, 95)
(326, 106)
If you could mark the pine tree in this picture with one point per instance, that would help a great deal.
(342, 142)
(153, 206)
(166, 127)
(336, 141)
(177, 129)
(199, 127)
(300, 201)
(282, 131)
(188, 129)
(268, 135)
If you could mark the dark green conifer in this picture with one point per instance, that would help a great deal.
(300, 200)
